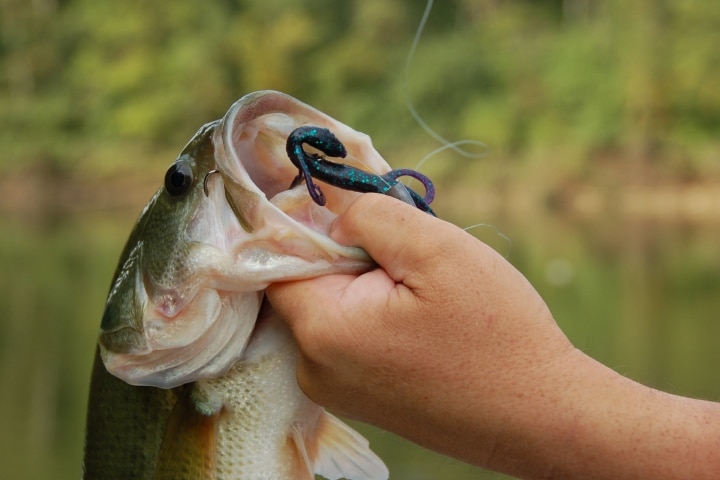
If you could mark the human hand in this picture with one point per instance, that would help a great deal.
(443, 334)
(449, 346)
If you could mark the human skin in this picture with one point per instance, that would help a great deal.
(448, 345)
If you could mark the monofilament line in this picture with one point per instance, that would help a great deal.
(455, 146)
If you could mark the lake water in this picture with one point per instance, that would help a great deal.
(640, 297)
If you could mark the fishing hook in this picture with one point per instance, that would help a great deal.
(205, 181)
(344, 176)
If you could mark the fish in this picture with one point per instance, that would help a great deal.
(194, 372)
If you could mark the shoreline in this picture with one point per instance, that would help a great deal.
(29, 196)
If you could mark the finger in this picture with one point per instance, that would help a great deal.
(303, 299)
(399, 237)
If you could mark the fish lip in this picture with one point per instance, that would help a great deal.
(251, 203)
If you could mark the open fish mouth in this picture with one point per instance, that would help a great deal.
(263, 129)
(269, 147)
(261, 183)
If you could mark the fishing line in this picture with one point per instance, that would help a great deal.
(498, 232)
(449, 146)
(455, 146)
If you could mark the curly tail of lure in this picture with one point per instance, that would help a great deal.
(313, 166)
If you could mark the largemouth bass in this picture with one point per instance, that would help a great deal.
(194, 376)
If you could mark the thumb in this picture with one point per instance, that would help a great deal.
(302, 299)
(398, 236)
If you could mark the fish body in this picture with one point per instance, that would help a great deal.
(194, 376)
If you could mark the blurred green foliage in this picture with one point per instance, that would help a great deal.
(568, 84)
(560, 90)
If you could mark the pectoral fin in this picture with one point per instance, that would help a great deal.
(337, 451)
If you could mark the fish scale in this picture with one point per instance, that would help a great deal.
(252, 433)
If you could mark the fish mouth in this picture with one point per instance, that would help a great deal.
(259, 178)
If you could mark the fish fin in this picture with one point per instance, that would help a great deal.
(299, 442)
(337, 451)
(188, 449)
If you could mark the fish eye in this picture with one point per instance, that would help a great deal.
(178, 179)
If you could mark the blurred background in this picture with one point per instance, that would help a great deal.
(602, 167)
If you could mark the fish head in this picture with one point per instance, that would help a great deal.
(228, 221)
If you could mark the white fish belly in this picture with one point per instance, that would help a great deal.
(259, 404)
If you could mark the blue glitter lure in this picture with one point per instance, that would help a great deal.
(314, 166)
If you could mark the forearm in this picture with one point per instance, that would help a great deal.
(589, 422)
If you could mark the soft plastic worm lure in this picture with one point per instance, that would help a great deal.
(313, 166)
